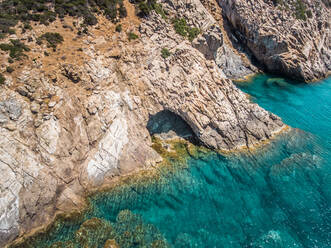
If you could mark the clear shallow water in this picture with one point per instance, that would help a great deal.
(277, 197)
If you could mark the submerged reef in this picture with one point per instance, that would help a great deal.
(128, 230)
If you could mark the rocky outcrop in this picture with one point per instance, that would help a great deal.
(72, 121)
(192, 87)
(286, 38)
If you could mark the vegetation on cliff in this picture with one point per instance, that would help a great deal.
(165, 53)
(182, 28)
(2, 79)
(146, 6)
(298, 7)
(132, 36)
(16, 49)
(53, 39)
(46, 11)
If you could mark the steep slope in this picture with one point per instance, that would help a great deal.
(289, 37)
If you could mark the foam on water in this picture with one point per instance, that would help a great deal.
(279, 196)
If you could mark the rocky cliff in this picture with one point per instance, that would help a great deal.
(288, 37)
(74, 116)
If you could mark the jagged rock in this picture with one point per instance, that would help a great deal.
(10, 108)
(219, 114)
(98, 127)
(232, 64)
(35, 107)
(286, 45)
(11, 126)
(71, 72)
(209, 42)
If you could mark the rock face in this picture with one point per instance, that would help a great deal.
(192, 87)
(72, 121)
(286, 38)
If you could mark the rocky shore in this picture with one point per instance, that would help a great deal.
(291, 37)
(73, 118)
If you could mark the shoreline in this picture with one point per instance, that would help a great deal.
(143, 175)
(140, 175)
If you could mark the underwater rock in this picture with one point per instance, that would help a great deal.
(276, 239)
(132, 232)
(111, 243)
(185, 240)
(94, 232)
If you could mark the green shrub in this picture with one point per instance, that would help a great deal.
(309, 13)
(53, 39)
(27, 26)
(16, 49)
(158, 9)
(165, 53)
(122, 11)
(300, 10)
(46, 11)
(2, 79)
(9, 69)
(277, 2)
(180, 26)
(183, 29)
(327, 3)
(132, 36)
(145, 7)
(193, 33)
(11, 31)
(118, 28)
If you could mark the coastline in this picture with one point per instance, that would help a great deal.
(259, 145)
(173, 160)
(139, 175)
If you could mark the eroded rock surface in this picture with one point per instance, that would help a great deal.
(193, 87)
(72, 121)
(285, 38)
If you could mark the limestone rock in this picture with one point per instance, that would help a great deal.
(283, 43)
(69, 129)
(233, 66)
(71, 72)
(35, 107)
(209, 42)
(189, 85)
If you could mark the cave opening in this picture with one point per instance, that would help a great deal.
(169, 125)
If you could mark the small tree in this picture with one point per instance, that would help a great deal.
(118, 28)
(132, 36)
(165, 53)
(2, 79)
(9, 69)
(53, 39)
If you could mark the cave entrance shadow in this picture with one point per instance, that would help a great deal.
(167, 124)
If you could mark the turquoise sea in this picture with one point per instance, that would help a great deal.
(276, 197)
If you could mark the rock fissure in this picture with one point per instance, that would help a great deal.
(73, 119)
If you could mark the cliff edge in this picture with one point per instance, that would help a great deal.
(288, 37)
(78, 90)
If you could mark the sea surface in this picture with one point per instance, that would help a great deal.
(276, 197)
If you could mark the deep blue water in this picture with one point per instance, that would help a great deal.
(279, 196)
